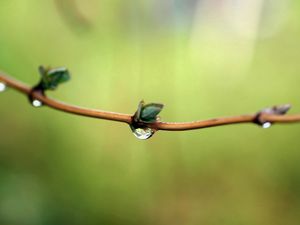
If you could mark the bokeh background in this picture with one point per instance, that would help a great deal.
(202, 59)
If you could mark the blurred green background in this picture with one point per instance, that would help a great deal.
(202, 59)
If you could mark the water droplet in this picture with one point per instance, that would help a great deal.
(36, 103)
(2, 87)
(142, 133)
(266, 125)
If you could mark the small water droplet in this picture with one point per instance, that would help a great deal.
(142, 133)
(36, 103)
(266, 125)
(2, 87)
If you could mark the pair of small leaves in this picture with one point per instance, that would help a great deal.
(277, 110)
(148, 113)
(51, 78)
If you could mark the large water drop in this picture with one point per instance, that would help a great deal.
(142, 133)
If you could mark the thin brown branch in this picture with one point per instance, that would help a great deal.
(127, 118)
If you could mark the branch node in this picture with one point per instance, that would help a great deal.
(260, 120)
(36, 89)
(50, 79)
(142, 119)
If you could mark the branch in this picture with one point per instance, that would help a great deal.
(23, 88)
(269, 115)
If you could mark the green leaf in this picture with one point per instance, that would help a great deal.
(150, 111)
(51, 78)
(137, 114)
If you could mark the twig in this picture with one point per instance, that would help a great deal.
(63, 106)
(257, 118)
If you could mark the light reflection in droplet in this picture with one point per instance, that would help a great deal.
(266, 125)
(37, 103)
(142, 133)
(2, 87)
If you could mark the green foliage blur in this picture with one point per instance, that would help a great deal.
(202, 59)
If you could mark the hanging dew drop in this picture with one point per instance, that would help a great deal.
(266, 125)
(142, 133)
(36, 103)
(2, 87)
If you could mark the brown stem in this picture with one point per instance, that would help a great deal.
(127, 118)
